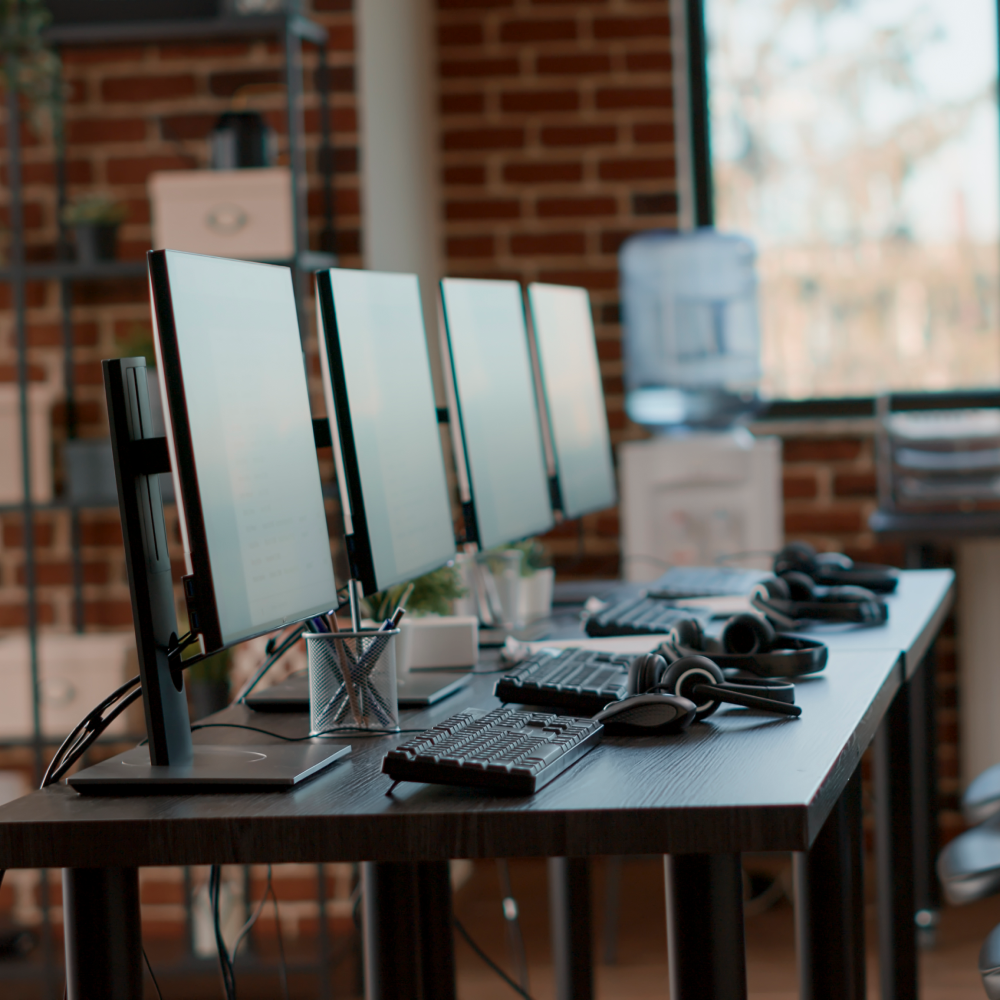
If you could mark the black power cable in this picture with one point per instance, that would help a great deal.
(152, 975)
(489, 961)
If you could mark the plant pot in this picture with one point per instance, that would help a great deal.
(95, 242)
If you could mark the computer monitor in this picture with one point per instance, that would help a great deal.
(502, 475)
(573, 412)
(242, 452)
(386, 440)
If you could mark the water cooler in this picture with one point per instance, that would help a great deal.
(702, 487)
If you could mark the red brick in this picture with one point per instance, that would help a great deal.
(473, 4)
(547, 244)
(16, 615)
(855, 484)
(61, 573)
(537, 31)
(33, 215)
(464, 175)
(540, 100)
(612, 239)
(620, 170)
(122, 170)
(470, 246)
(101, 54)
(580, 135)
(541, 173)
(649, 132)
(189, 126)
(457, 68)
(77, 172)
(462, 104)
(226, 84)
(654, 203)
(88, 373)
(8, 373)
(483, 208)
(484, 138)
(147, 88)
(634, 97)
(567, 207)
(13, 533)
(340, 37)
(158, 891)
(101, 531)
(821, 449)
(594, 280)
(108, 614)
(824, 521)
(575, 65)
(609, 350)
(76, 91)
(203, 50)
(631, 27)
(639, 62)
(799, 487)
(51, 334)
(460, 34)
(87, 131)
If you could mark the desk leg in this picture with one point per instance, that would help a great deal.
(569, 916)
(894, 852)
(103, 931)
(409, 949)
(923, 734)
(705, 944)
(830, 905)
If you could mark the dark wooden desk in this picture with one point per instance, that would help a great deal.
(742, 782)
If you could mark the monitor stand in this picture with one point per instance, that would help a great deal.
(171, 762)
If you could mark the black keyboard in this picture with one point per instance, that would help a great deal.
(506, 750)
(638, 616)
(705, 581)
(581, 680)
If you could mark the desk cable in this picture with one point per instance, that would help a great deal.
(460, 927)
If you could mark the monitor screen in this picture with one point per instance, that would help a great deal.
(503, 475)
(387, 444)
(242, 451)
(573, 397)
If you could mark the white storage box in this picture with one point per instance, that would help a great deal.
(437, 642)
(40, 400)
(75, 672)
(225, 213)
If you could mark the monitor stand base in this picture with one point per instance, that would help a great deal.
(234, 768)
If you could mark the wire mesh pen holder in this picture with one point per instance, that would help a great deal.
(352, 681)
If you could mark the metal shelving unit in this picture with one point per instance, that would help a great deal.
(293, 30)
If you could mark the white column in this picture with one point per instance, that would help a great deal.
(400, 180)
(979, 655)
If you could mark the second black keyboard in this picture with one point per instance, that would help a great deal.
(581, 680)
(638, 616)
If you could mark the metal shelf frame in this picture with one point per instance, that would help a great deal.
(293, 30)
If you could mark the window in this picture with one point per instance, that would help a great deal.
(856, 141)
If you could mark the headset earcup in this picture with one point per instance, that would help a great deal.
(688, 634)
(745, 634)
(686, 673)
(645, 672)
(774, 589)
(797, 556)
(800, 586)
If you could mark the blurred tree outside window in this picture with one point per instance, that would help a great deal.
(856, 141)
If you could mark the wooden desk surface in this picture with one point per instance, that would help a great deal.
(917, 610)
(742, 781)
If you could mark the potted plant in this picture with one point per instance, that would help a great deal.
(207, 685)
(95, 219)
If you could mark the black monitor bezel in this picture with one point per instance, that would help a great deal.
(548, 426)
(199, 584)
(467, 493)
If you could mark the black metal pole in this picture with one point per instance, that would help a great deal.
(325, 953)
(297, 166)
(706, 950)
(894, 852)
(830, 905)
(923, 734)
(328, 236)
(391, 922)
(698, 94)
(437, 937)
(569, 917)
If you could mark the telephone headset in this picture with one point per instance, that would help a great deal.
(749, 643)
(701, 682)
(834, 569)
(794, 597)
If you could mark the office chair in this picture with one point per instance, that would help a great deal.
(969, 867)
(982, 798)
